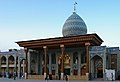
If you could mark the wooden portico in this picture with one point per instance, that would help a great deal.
(61, 43)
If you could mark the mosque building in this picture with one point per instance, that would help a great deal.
(77, 54)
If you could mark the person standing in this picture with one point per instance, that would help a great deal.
(46, 77)
(112, 76)
(59, 76)
(66, 77)
(14, 75)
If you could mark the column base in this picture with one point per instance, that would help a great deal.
(62, 76)
(7, 75)
(87, 76)
(44, 75)
(18, 74)
(25, 75)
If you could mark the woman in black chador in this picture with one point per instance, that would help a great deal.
(66, 77)
(46, 78)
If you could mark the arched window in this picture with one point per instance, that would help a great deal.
(83, 58)
(75, 57)
(11, 59)
(3, 60)
(83, 70)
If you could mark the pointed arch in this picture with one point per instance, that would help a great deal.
(11, 59)
(97, 67)
(3, 60)
(98, 62)
(83, 70)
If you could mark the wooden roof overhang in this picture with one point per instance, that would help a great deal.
(72, 41)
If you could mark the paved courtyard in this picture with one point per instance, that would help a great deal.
(23, 80)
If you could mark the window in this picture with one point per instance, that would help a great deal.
(75, 58)
(53, 57)
(3, 60)
(114, 61)
(11, 60)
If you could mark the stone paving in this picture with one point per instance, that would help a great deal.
(23, 80)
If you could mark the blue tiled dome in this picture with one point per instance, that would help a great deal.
(74, 25)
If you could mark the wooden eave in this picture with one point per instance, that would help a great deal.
(94, 39)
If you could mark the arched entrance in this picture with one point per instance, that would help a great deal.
(83, 70)
(97, 67)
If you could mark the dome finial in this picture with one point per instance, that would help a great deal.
(75, 6)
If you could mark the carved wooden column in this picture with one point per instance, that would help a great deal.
(26, 62)
(62, 61)
(87, 59)
(45, 60)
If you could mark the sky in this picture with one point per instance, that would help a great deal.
(22, 20)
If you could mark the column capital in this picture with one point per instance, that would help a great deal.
(44, 47)
(87, 44)
(62, 46)
(26, 50)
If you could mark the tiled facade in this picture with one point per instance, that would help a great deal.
(12, 62)
(101, 58)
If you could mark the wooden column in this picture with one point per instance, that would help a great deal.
(26, 62)
(62, 61)
(45, 60)
(87, 59)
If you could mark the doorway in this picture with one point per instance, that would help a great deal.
(99, 73)
(67, 71)
(96, 67)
